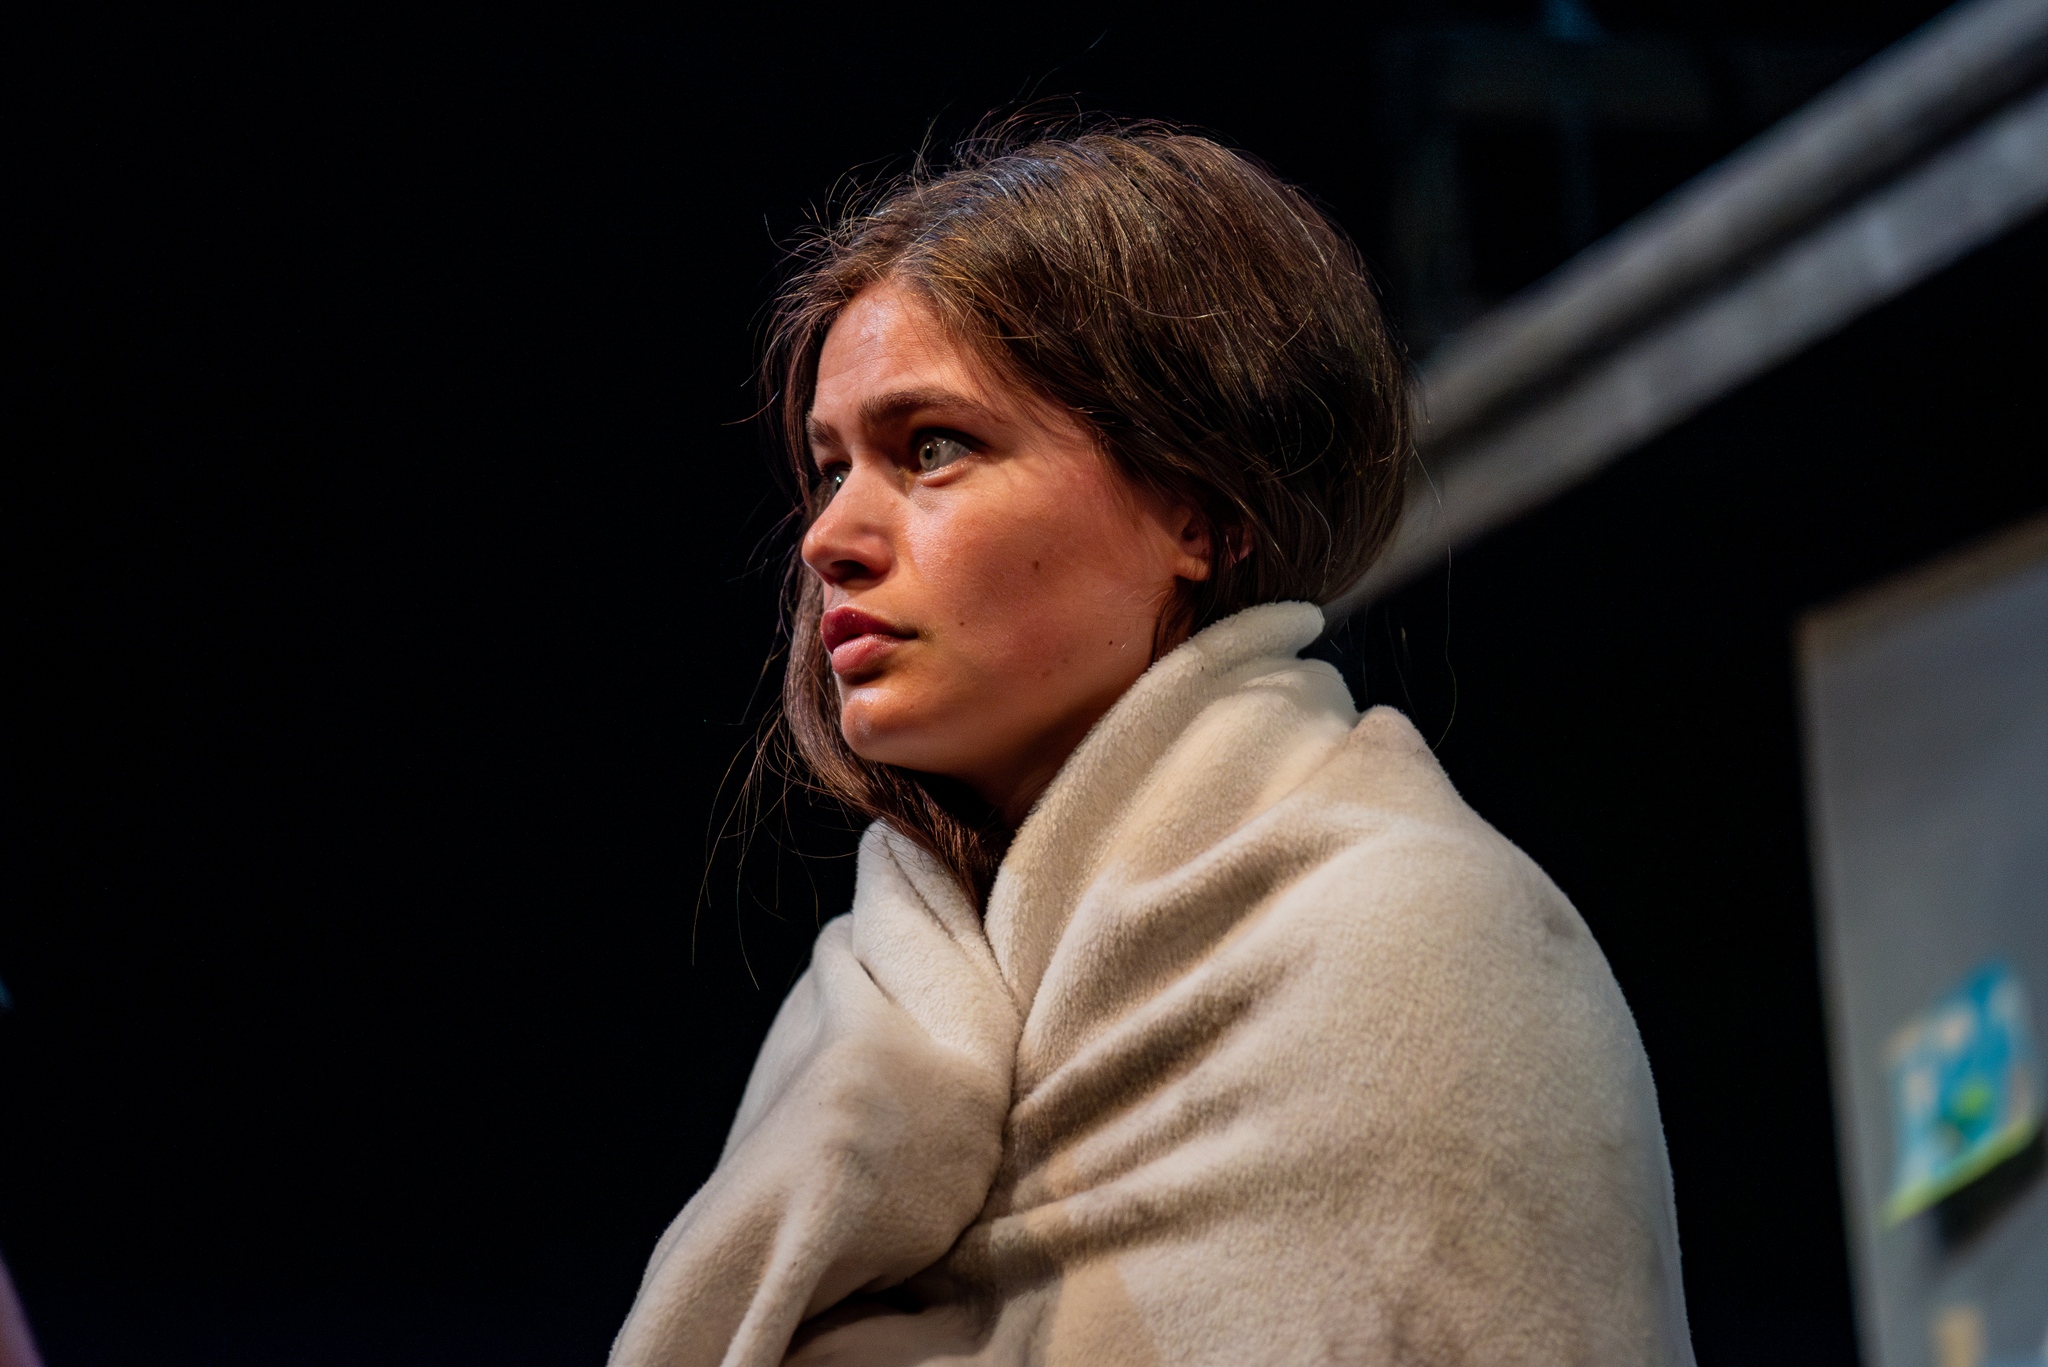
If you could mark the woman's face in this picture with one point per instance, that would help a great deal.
(991, 583)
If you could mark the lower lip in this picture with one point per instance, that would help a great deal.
(862, 652)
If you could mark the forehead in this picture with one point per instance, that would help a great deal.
(888, 339)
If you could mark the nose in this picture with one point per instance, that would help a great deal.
(849, 543)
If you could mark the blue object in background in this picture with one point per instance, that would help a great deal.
(1966, 1092)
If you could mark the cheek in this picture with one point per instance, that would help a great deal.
(965, 559)
(1022, 580)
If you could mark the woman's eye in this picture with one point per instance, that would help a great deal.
(829, 482)
(934, 451)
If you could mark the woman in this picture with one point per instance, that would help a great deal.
(1182, 1015)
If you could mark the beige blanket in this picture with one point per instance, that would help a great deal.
(1269, 1050)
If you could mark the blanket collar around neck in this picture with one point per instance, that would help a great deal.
(1074, 829)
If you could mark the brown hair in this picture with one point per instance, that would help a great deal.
(1215, 332)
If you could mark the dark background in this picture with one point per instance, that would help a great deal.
(389, 576)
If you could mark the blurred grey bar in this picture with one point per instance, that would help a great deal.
(1935, 147)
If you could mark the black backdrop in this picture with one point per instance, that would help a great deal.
(385, 602)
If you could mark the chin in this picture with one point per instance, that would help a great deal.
(873, 725)
(890, 730)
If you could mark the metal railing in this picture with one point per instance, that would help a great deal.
(1930, 149)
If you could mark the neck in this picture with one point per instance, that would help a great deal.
(1013, 792)
(1013, 789)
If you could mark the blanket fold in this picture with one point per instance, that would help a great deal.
(1267, 1050)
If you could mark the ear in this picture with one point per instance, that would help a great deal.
(1191, 543)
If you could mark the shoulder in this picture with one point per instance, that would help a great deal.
(1451, 1037)
(1431, 914)
(1396, 828)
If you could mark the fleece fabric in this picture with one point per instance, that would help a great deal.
(1268, 1050)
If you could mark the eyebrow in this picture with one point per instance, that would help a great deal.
(883, 410)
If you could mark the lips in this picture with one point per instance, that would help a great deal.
(856, 639)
